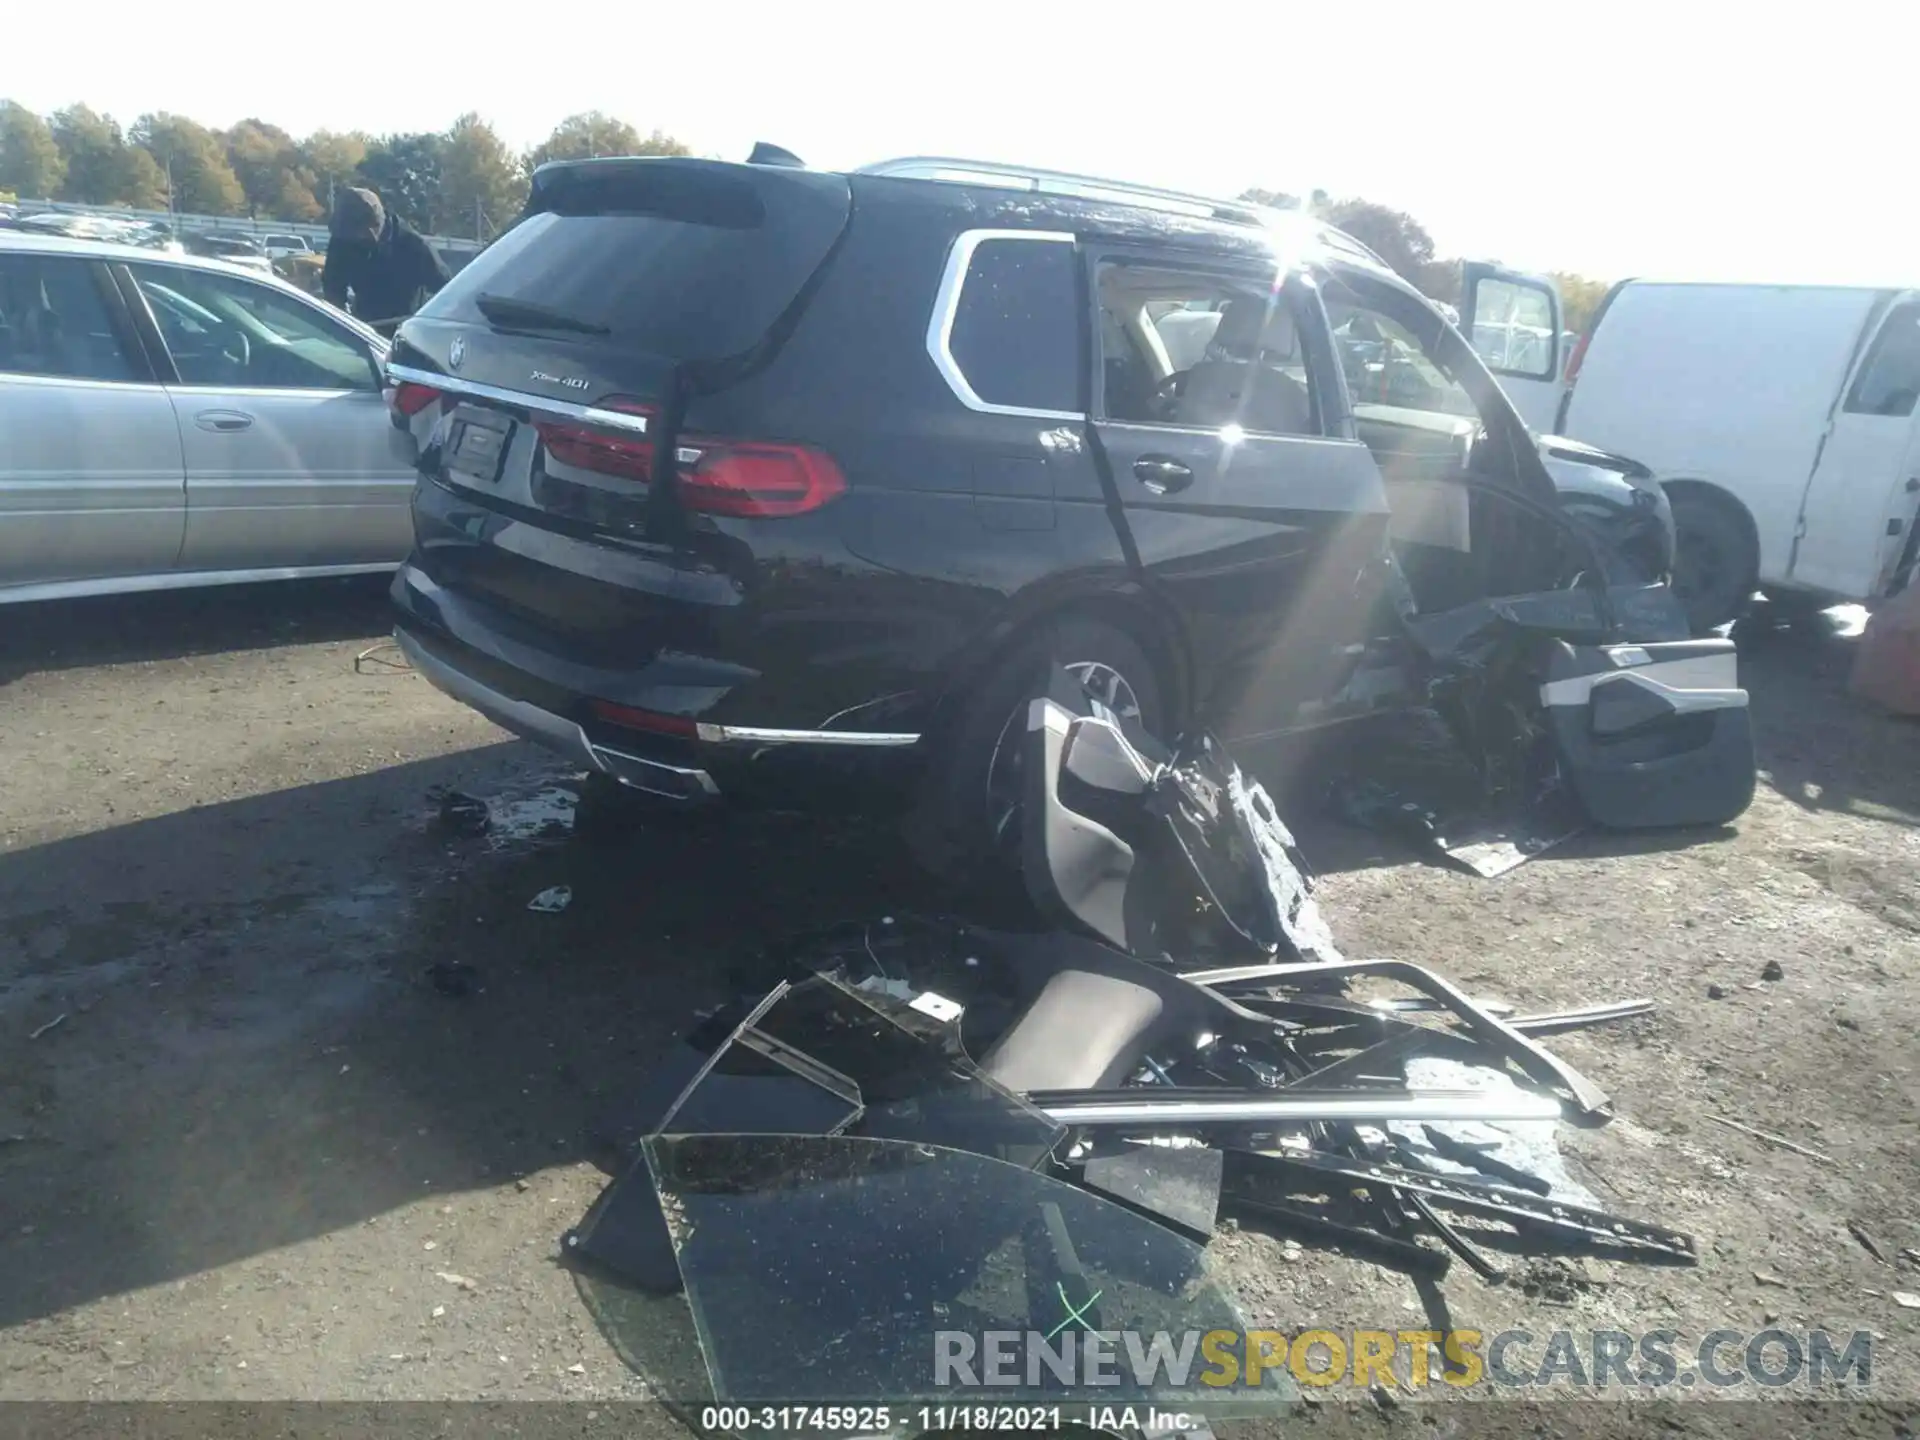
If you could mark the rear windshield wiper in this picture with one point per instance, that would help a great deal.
(503, 310)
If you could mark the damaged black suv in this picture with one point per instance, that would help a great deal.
(750, 476)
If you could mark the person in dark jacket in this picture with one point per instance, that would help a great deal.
(384, 263)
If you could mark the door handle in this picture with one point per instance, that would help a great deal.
(1162, 474)
(223, 421)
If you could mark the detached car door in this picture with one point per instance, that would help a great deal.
(1513, 322)
(291, 459)
(92, 483)
(1209, 390)
(1860, 509)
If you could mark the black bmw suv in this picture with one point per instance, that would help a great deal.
(749, 475)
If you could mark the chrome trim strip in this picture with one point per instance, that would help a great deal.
(652, 776)
(455, 385)
(555, 732)
(947, 300)
(188, 579)
(955, 171)
(757, 735)
(1506, 1104)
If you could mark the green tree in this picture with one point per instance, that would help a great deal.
(101, 168)
(1278, 199)
(30, 162)
(333, 157)
(1579, 299)
(194, 161)
(272, 171)
(143, 184)
(404, 171)
(482, 184)
(1395, 236)
(591, 133)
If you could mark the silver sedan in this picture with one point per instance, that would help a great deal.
(167, 421)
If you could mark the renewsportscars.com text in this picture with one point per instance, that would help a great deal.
(1226, 1360)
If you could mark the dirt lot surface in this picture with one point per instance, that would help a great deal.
(254, 1153)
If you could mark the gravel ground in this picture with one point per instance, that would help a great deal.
(254, 1154)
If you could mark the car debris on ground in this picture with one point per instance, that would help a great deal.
(1550, 713)
(936, 1126)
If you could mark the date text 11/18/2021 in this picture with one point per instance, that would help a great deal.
(879, 1419)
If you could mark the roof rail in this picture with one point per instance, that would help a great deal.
(1060, 182)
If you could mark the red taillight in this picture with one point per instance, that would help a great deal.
(752, 479)
(605, 452)
(647, 720)
(410, 399)
(748, 479)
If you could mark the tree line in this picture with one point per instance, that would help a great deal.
(1403, 242)
(464, 180)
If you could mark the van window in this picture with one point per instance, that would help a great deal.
(1015, 334)
(1889, 381)
(1189, 348)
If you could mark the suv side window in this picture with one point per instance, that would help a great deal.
(225, 330)
(53, 321)
(1201, 350)
(1014, 331)
(1387, 366)
(1889, 380)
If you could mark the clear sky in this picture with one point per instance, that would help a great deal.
(1754, 142)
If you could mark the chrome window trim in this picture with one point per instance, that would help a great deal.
(947, 301)
(455, 385)
(757, 735)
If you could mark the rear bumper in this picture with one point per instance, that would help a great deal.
(477, 658)
(557, 733)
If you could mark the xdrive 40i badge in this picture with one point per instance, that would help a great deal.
(567, 380)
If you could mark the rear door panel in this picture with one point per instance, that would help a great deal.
(1861, 498)
(92, 480)
(1261, 542)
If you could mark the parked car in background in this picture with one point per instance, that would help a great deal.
(168, 421)
(819, 486)
(1782, 421)
(302, 268)
(278, 247)
(234, 249)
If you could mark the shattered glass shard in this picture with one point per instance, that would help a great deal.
(825, 1270)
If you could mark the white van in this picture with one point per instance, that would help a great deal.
(1781, 420)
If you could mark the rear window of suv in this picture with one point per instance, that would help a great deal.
(688, 260)
(1015, 332)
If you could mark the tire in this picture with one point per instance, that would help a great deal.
(1716, 558)
(960, 827)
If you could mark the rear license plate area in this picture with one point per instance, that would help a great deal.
(477, 445)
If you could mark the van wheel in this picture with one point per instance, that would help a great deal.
(1716, 558)
(969, 817)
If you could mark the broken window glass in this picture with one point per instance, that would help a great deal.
(842, 1269)
(823, 1057)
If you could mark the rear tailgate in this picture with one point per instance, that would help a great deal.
(546, 384)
